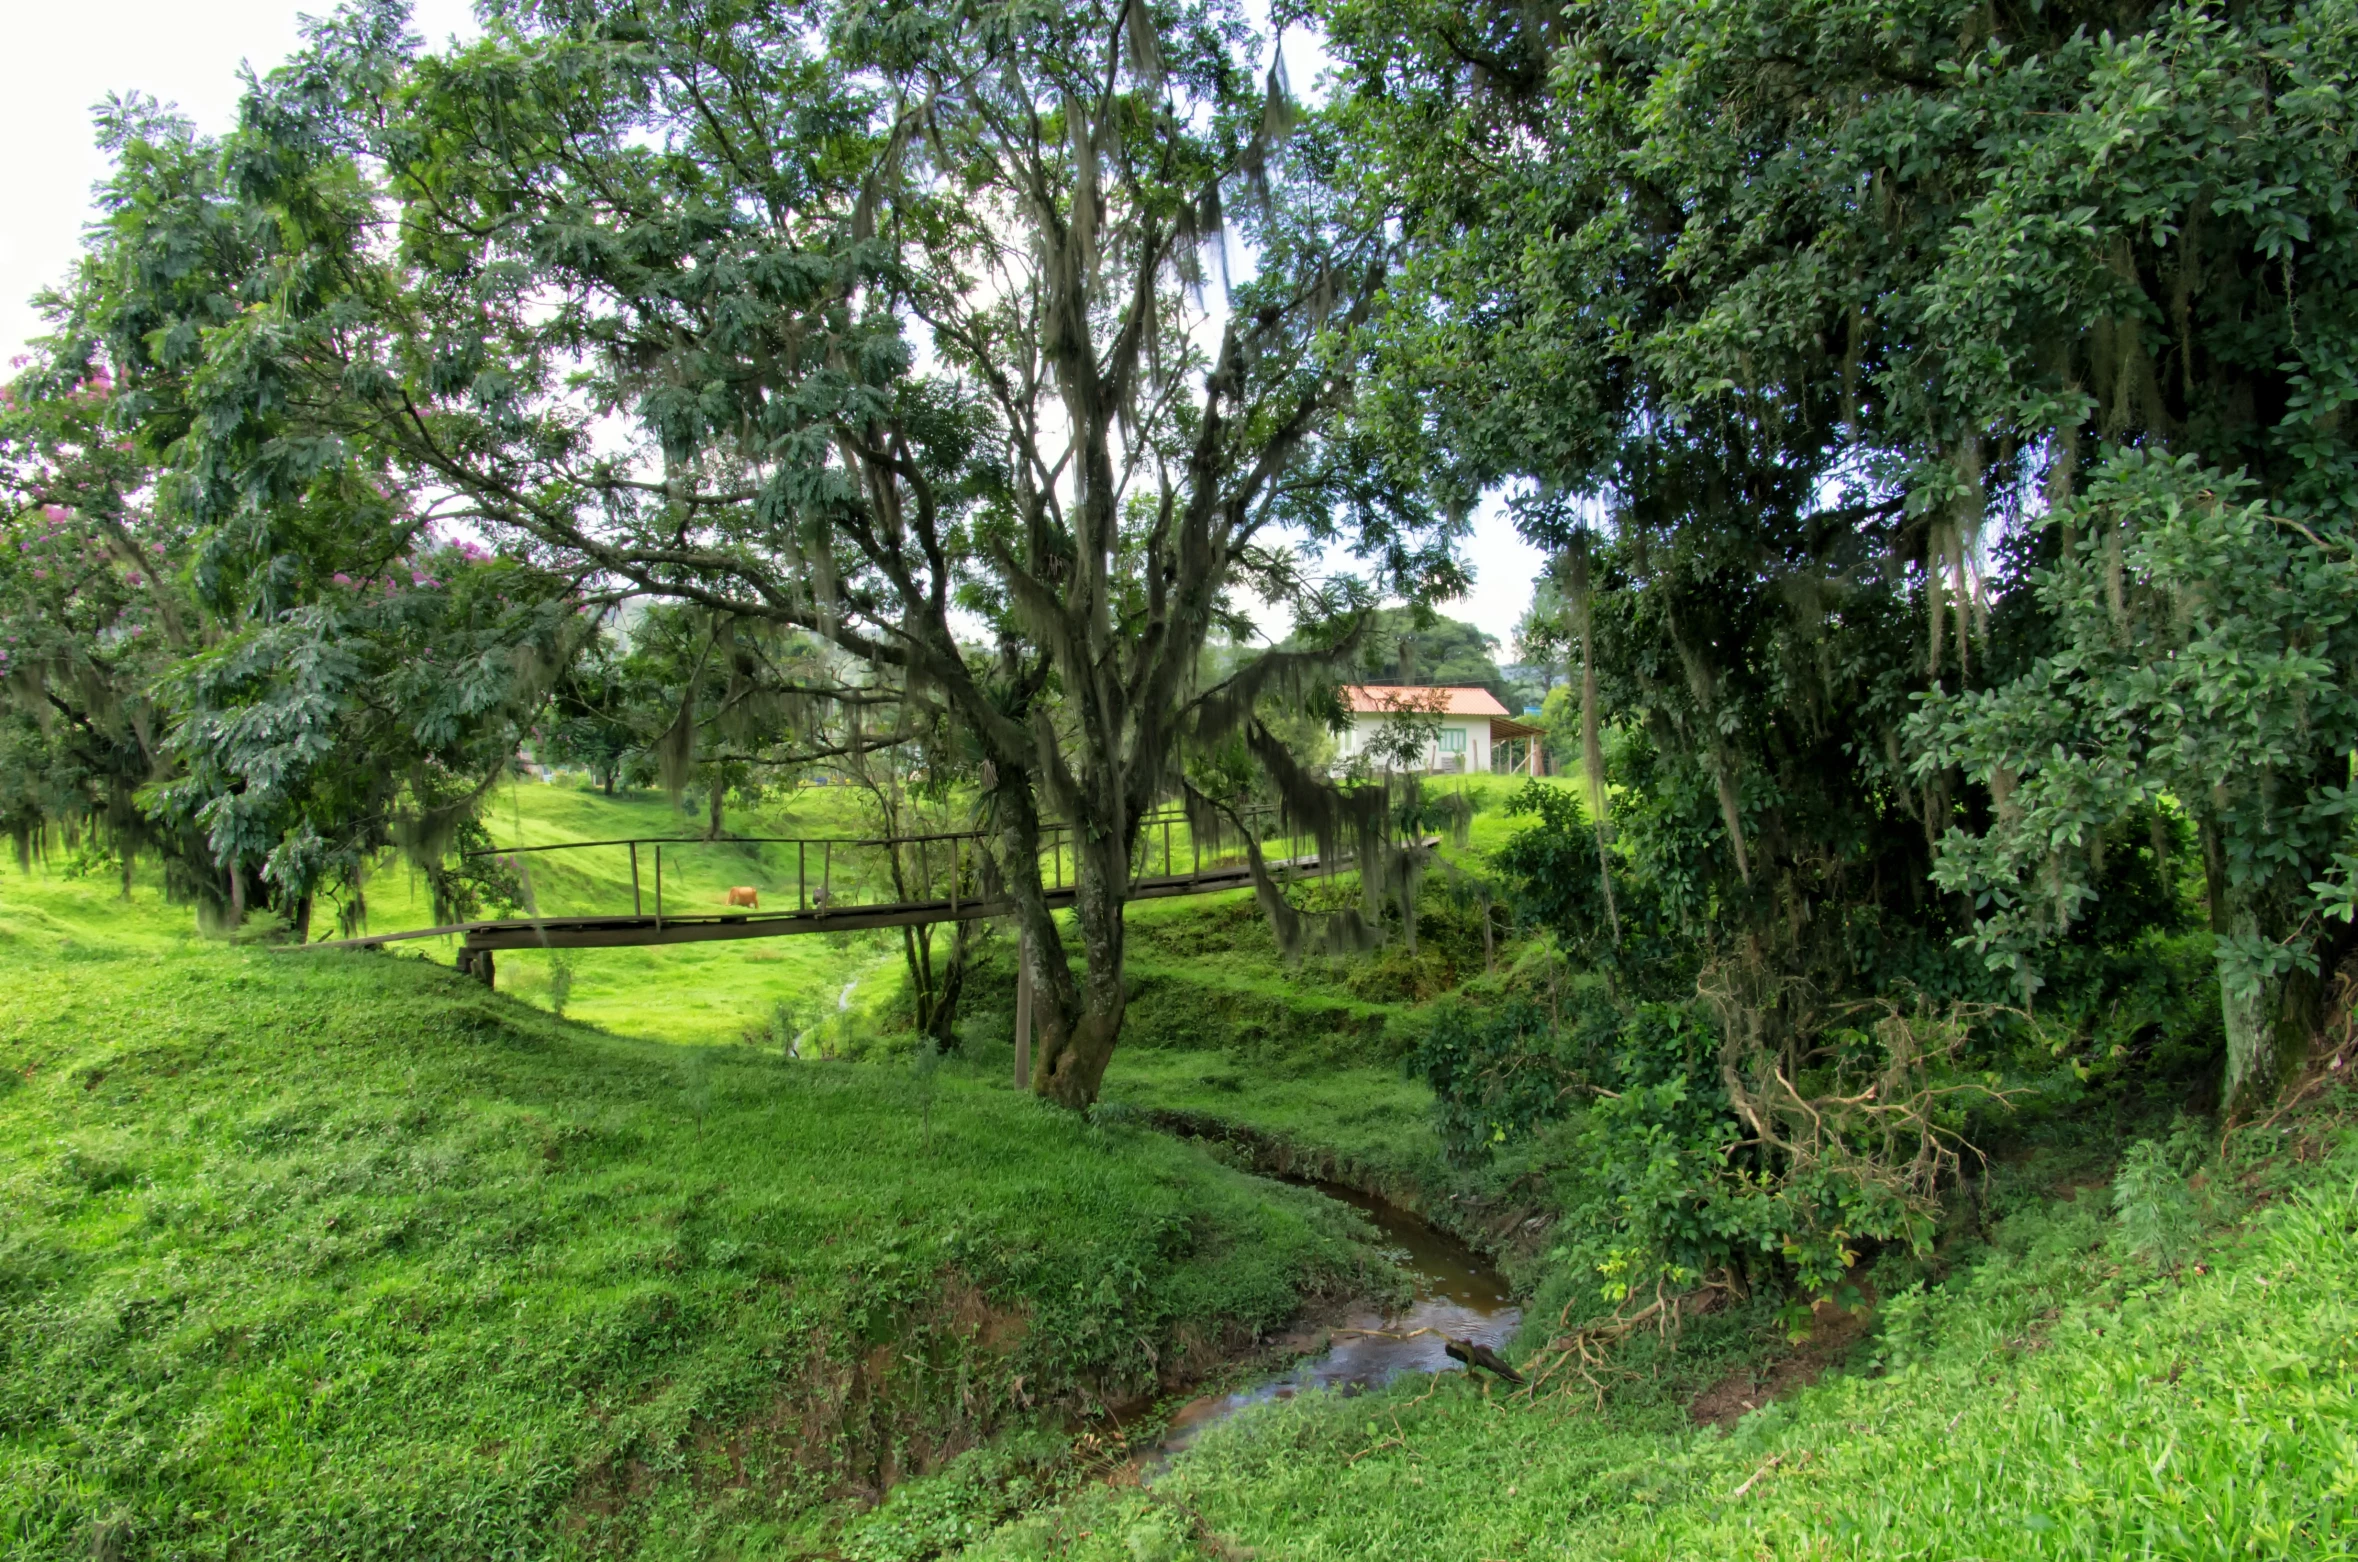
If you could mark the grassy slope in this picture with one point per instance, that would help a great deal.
(1333, 1011)
(1221, 1028)
(1306, 1057)
(339, 1255)
(2048, 1402)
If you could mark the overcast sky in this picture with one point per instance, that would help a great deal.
(64, 58)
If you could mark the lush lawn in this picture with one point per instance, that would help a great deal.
(338, 1255)
(313, 1255)
(722, 992)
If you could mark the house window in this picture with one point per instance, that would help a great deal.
(1453, 740)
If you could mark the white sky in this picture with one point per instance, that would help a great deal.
(61, 60)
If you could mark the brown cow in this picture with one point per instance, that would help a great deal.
(745, 895)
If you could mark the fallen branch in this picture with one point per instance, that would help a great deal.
(1773, 1461)
(1583, 1355)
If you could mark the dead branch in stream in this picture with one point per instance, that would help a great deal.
(1583, 1356)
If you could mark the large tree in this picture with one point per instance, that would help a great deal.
(235, 626)
(1798, 324)
(888, 323)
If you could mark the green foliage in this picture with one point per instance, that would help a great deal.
(1654, 1177)
(2035, 1404)
(1788, 351)
(309, 742)
(2203, 658)
(2159, 1219)
(1683, 1152)
(991, 522)
(1418, 646)
(270, 665)
(979, 1490)
(1601, 905)
(290, 1241)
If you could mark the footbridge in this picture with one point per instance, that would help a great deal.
(833, 884)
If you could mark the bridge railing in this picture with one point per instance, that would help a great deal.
(666, 876)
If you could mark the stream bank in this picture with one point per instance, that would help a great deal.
(1507, 1233)
(1457, 1294)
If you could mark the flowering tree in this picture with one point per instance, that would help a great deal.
(230, 633)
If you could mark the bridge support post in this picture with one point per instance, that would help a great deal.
(475, 963)
(1023, 1012)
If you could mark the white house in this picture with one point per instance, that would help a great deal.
(1471, 726)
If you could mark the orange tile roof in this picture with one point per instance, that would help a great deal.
(1385, 699)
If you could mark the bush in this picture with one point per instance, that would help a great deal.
(2159, 1218)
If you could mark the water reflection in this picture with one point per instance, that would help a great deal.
(1458, 1295)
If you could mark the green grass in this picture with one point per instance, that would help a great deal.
(342, 1256)
(338, 1255)
(716, 993)
(2053, 1400)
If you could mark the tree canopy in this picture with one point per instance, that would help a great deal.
(1851, 357)
(1933, 414)
(879, 329)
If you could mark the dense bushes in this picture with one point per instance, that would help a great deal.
(1678, 1150)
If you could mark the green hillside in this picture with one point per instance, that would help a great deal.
(682, 992)
(338, 1255)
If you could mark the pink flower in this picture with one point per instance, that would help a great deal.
(341, 579)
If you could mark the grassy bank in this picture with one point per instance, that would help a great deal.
(341, 1256)
(2053, 1396)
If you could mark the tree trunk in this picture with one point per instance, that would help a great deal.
(303, 919)
(1078, 1036)
(953, 984)
(2271, 1026)
(719, 786)
(917, 955)
(1076, 1023)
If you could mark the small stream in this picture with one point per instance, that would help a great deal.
(1458, 1294)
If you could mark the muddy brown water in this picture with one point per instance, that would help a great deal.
(1458, 1295)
